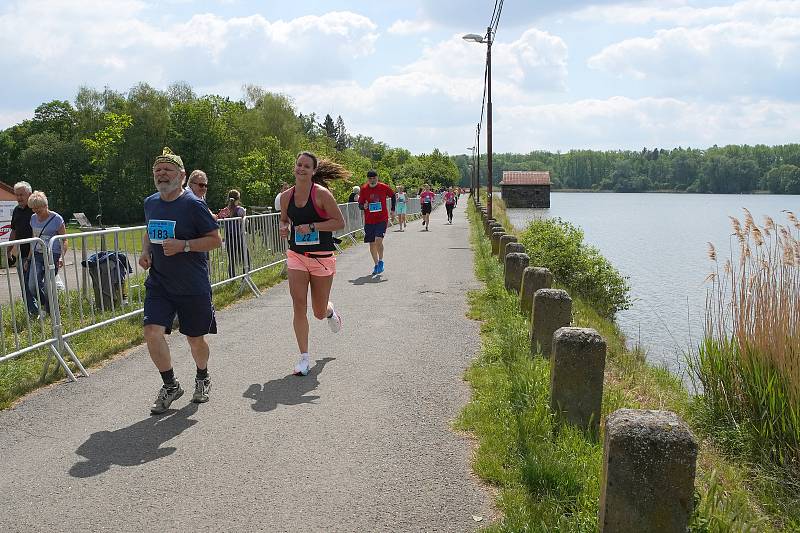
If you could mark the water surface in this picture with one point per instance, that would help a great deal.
(660, 242)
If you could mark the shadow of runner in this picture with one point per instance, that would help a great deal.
(288, 390)
(378, 278)
(133, 445)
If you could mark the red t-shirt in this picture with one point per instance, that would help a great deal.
(449, 198)
(427, 197)
(374, 201)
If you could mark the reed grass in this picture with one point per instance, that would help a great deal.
(748, 365)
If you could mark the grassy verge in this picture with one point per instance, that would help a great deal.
(550, 481)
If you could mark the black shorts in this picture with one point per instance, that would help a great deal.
(426, 209)
(195, 312)
(374, 231)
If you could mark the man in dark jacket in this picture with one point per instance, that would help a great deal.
(21, 229)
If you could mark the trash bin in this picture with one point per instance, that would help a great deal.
(108, 271)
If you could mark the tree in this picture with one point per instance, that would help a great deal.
(328, 127)
(102, 148)
(342, 139)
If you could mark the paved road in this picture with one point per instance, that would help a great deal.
(361, 444)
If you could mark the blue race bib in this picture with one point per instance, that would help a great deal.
(375, 207)
(160, 230)
(306, 239)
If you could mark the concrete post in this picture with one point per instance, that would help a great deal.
(501, 246)
(514, 265)
(552, 309)
(533, 279)
(576, 377)
(488, 225)
(491, 226)
(648, 472)
(512, 248)
(496, 234)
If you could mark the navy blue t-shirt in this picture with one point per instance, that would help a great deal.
(187, 217)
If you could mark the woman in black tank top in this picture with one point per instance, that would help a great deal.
(309, 216)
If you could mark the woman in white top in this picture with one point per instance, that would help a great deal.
(401, 200)
(45, 224)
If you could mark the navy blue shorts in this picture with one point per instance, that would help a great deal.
(374, 231)
(195, 312)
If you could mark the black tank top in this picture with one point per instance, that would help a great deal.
(306, 215)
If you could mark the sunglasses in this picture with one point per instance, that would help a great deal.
(201, 185)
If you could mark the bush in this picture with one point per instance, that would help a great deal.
(558, 246)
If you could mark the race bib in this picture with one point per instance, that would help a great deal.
(306, 239)
(375, 207)
(160, 230)
(427, 200)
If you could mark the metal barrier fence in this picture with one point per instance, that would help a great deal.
(96, 280)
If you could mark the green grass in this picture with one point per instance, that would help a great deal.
(550, 480)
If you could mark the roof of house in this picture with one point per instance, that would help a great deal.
(525, 177)
(6, 187)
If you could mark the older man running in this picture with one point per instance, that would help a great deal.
(179, 229)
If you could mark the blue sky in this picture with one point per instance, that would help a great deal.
(570, 74)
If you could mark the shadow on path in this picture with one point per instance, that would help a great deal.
(133, 445)
(378, 278)
(288, 390)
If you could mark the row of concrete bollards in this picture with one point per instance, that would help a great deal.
(649, 457)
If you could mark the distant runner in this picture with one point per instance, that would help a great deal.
(426, 198)
(372, 199)
(309, 216)
(179, 229)
(402, 206)
(449, 204)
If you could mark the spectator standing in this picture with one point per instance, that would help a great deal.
(45, 224)
(21, 229)
(233, 216)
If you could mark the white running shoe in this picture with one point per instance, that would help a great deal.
(334, 321)
(302, 368)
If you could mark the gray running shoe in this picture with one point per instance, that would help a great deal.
(165, 398)
(201, 389)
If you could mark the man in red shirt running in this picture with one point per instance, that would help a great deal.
(372, 200)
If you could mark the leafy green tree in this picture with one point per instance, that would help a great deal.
(103, 147)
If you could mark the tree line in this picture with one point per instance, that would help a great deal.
(95, 154)
(726, 169)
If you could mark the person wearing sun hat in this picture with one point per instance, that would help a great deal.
(180, 229)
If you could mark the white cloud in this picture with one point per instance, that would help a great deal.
(729, 58)
(476, 14)
(409, 27)
(683, 15)
(621, 122)
(98, 42)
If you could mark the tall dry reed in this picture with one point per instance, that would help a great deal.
(749, 362)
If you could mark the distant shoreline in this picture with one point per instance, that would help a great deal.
(666, 192)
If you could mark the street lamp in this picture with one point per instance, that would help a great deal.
(474, 37)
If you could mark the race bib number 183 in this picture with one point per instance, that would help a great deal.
(160, 230)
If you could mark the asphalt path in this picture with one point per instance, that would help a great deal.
(363, 443)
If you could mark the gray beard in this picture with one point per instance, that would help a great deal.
(166, 188)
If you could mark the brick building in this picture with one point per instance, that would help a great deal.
(526, 188)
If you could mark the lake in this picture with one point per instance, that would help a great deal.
(659, 241)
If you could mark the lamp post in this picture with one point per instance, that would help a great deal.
(488, 41)
(472, 174)
(478, 160)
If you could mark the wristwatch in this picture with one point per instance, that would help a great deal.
(186, 247)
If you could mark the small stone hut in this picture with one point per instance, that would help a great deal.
(522, 188)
